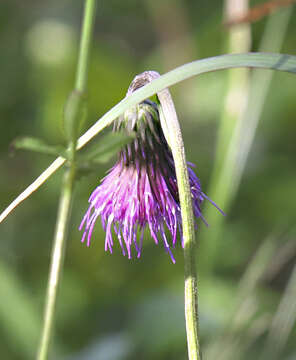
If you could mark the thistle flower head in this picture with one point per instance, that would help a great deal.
(141, 189)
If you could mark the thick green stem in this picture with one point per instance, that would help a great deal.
(172, 131)
(73, 114)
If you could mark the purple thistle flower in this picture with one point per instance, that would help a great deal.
(141, 188)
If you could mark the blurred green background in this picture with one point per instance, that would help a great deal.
(110, 307)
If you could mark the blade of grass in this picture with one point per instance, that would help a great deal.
(269, 61)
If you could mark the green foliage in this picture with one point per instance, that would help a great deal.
(104, 149)
(37, 145)
(101, 152)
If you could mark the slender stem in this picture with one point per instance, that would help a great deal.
(56, 261)
(64, 211)
(177, 146)
(85, 41)
(173, 134)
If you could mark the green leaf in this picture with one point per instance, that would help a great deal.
(107, 147)
(37, 145)
(101, 152)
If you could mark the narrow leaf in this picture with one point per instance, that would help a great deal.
(37, 145)
(107, 147)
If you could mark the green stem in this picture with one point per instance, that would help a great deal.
(56, 261)
(172, 130)
(173, 134)
(172, 126)
(64, 211)
(85, 41)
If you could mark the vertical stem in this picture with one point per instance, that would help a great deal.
(85, 41)
(56, 261)
(67, 190)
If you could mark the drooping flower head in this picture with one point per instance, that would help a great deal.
(141, 189)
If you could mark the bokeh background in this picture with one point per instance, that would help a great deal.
(239, 129)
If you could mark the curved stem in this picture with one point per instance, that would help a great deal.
(64, 211)
(177, 146)
(173, 134)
